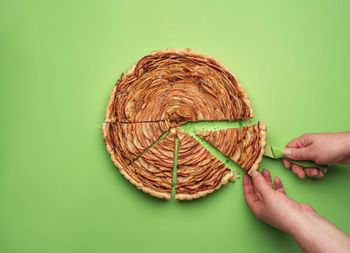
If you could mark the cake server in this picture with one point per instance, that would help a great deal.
(277, 153)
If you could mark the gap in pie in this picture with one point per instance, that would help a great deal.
(163, 91)
(127, 142)
(152, 172)
(199, 172)
(173, 188)
(246, 146)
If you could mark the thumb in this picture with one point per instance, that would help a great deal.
(260, 183)
(298, 153)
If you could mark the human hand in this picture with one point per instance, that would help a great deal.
(311, 231)
(322, 148)
(272, 205)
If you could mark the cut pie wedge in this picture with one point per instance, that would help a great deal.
(126, 142)
(198, 171)
(245, 146)
(153, 171)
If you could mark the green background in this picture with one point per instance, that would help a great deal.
(59, 191)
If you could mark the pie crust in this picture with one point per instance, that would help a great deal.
(198, 171)
(153, 171)
(126, 142)
(162, 91)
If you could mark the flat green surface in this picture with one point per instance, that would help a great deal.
(59, 191)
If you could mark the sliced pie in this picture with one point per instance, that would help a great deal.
(245, 146)
(198, 171)
(153, 171)
(126, 142)
(179, 85)
(168, 88)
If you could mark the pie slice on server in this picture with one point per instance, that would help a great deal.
(126, 142)
(245, 146)
(198, 171)
(153, 171)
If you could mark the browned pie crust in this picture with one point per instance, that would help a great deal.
(153, 171)
(179, 85)
(245, 146)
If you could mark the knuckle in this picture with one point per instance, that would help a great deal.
(312, 153)
(305, 137)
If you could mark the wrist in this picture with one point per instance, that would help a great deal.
(314, 233)
(345, 141)
(302, 222)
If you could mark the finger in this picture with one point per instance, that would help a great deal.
(311, 172)
(300, 142)
(260, 184)
(293, 143)
(278, 185)
(314, 172)
(308, 172)
(248, 187)
(267, 176)
(299, 154)
(286, 163)
(249, 192)
(298, 171)
(320, 174)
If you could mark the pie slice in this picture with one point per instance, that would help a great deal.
(126, 142)
(198, 171)
(245, 146)
(153, 171)
(179, 85)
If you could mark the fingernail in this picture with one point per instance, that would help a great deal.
(255, 173)
(321, 174)
(314, 173)
(287, 151)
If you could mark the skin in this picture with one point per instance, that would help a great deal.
(270, 204)
(322, 148)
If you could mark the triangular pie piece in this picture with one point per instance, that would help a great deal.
(198, 171)
(179, 85)
(126, 142)
(245, 146)
(153, 171)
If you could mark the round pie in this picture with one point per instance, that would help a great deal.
(150, 102)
